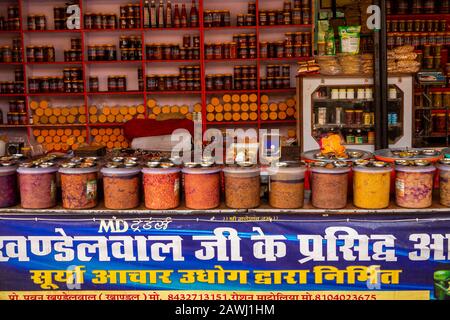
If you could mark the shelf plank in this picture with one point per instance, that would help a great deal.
(115, 93)
(286, 26)
(172, 92)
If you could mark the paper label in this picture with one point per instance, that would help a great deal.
(91, 190)
(400, 187)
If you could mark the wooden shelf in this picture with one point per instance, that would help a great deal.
(100, 93)
(113, 62)
(230, 91)
(230, 28)
(286, 26)
(236, 123)
(285, 90)
(52, 31)
(115, 124)
(13, 126)
(54, 63)
(39, 125)
(148, 66)
(170, 61)
(172, 92)
(11, 94)
(56, 94)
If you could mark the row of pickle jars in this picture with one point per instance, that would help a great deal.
(202, 184)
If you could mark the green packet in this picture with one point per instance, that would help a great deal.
(350, 38)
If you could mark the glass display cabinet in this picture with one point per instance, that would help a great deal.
(345, 105)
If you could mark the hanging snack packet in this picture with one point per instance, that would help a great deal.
(350, 36)
(330, 49)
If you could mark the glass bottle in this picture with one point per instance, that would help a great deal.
(153, 15)
(161, 14)
(176, 17)
(169, 15)
(193, 15)
(146, 14)
(183, 16)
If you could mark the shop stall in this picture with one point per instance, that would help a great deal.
(95, 205)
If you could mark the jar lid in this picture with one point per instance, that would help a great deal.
(414, 166)
(120, 171)
(201, 170)
(242, 169)
(78, 170)
(7, 170)
(160, 170)
(299, 169)
(373, 167)
(36, 170)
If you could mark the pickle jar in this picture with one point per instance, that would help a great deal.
(79, 187)
(242, 187)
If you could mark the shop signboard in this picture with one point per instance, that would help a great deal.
(224, 257)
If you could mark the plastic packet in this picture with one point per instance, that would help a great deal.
(350, 38)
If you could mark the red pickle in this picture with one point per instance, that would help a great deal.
(202, 188)
(161, 188)
(8, 187)
(37, 187)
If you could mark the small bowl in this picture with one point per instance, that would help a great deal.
(340, 164)
(191, 164)
(167, 165)
(117, 159)
(319, 156)
(421, 163)
(361, 162)
(153, 164)
(430, 152)
(380, 164)
(355, 154)
(111, 165)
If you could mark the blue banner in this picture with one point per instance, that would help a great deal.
(237, 257)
